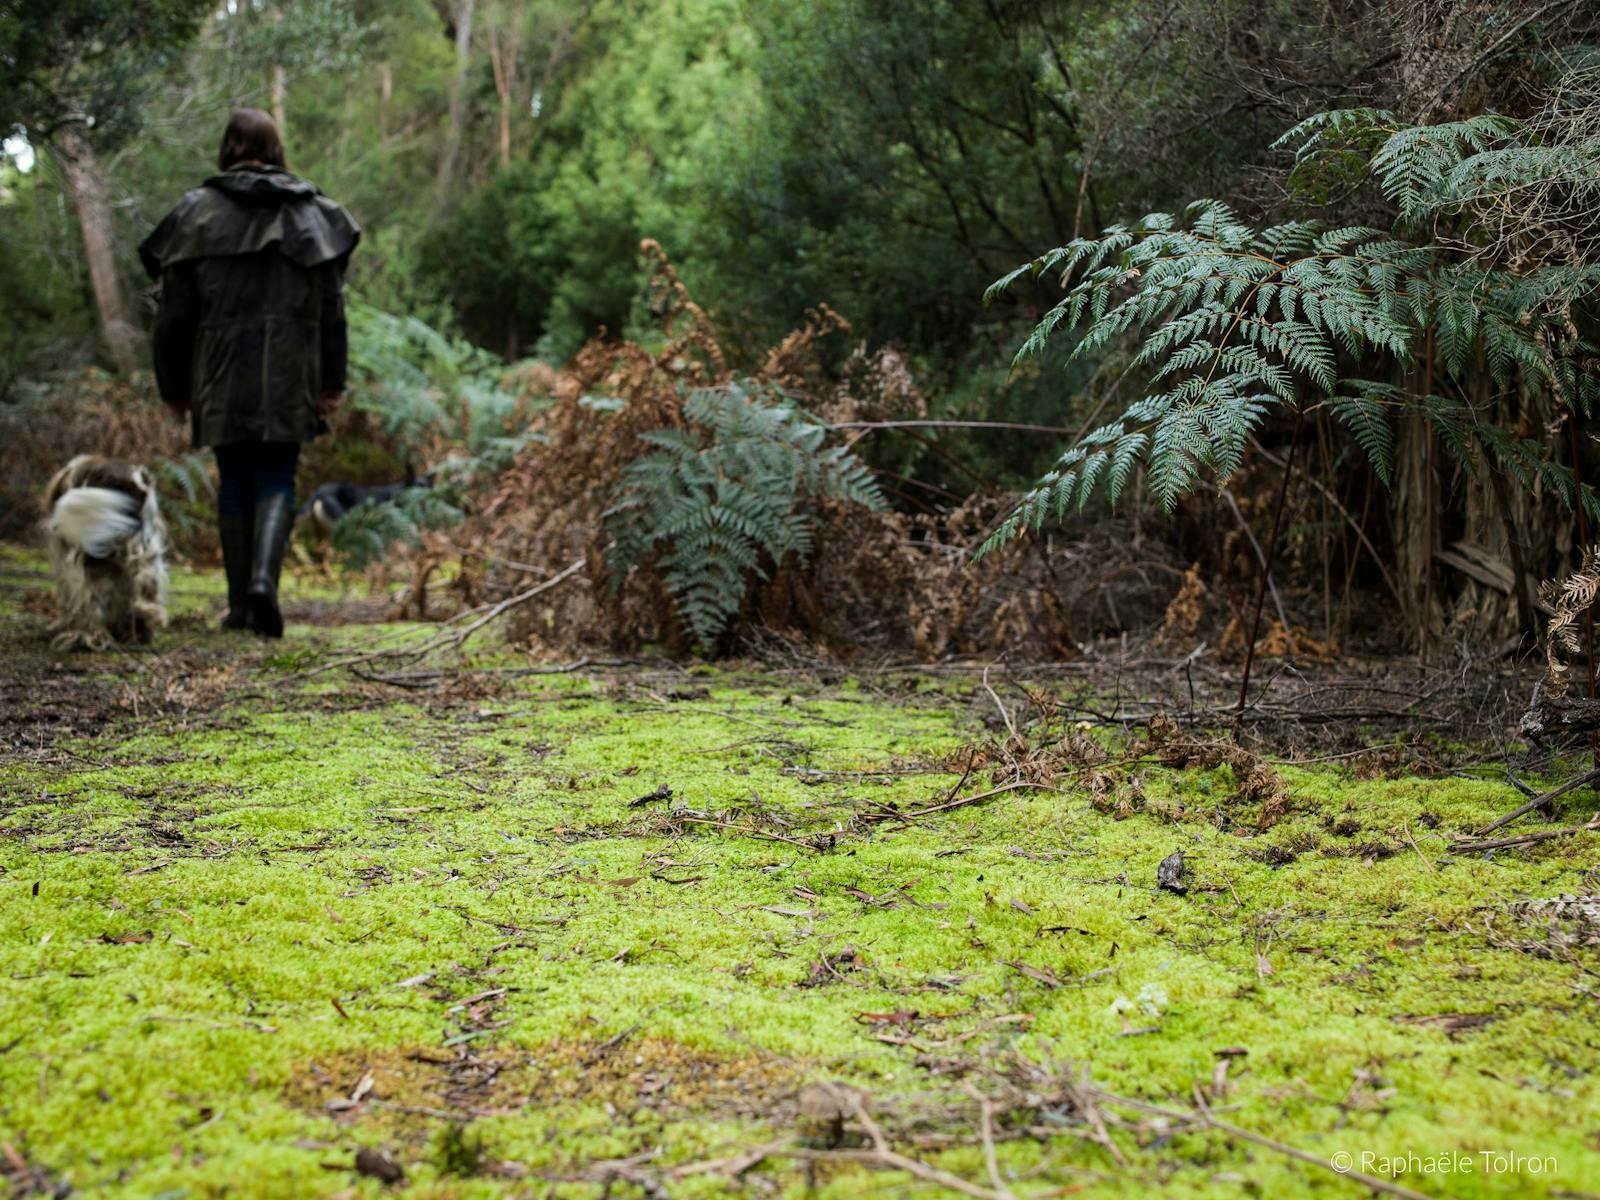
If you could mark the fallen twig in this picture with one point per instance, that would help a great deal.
(1542, 835)
(1202, 1116)
(577, 664)
(894, 1161)
(1376, 1183)
(885, 1155)
(734, 1165)
(746, 830)
(917, 813)
(1005, 713)
(1083, 1097)
(1426, 861)
(452, 638)
(1571, 785)
(986, 1130)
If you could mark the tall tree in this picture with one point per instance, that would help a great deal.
(297, 38)
(76, 77)
(504, 36)
(86, 182)
(459, 25)
(523, 37)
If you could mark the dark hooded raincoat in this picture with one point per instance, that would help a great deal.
(251, 329)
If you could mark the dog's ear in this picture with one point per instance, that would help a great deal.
(150, 504)
(57, 488)
(69, 477)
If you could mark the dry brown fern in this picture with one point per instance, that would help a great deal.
(1182, 619)
(1567, 600)
(877, 583)
(1257, 782)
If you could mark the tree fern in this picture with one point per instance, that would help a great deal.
(726, 499)
(1232, 322)
(184, 483)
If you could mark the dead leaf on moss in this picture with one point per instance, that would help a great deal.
(378, 1165)
(832, 967)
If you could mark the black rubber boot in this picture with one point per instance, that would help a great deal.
(274, 518)
(236, 539)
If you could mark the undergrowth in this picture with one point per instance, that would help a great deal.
(842, 572)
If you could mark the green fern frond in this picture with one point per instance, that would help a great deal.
(1366, 415)
(1231, 323)
(727, 499)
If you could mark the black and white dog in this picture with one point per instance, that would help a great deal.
(107, 543)
(331, 501)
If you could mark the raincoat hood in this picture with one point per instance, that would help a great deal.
(261, 184)
(247, 209)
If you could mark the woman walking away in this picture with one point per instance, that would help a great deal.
(250, 342)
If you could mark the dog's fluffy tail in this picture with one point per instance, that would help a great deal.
(96, 520)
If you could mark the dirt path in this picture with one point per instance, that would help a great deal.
(517, 934)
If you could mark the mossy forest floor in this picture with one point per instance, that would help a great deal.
(255, 920)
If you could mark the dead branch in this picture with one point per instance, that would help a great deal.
(885, 1155)
(1374, 1182)
(1543, 835)
(986, 1130)
(1539, 801)
(1550, 714)
(916, 813)
(451, 638)
(746, 830)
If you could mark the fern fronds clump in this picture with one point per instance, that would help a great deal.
(444, 410)
(1235, 322)
(184, 481)
(726, 499)
(1231, 322)
(438, 397)
(370, 531)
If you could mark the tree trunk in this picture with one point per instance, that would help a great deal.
(502, 89)
(280, 96)
(1494, 539)
(385, 94)
(1409, 526)
(458, 95)
(87, 185)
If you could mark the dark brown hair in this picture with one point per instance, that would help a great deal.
(251, 136)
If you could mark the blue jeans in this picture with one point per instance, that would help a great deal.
(251, 471)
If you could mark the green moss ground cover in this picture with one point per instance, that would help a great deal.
(251, 923)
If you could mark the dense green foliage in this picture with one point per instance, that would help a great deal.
(727, 499)
(87, 63)
(438, 404)
(435, 394)
(883, 159)
(507, 161)
(1240, 321)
